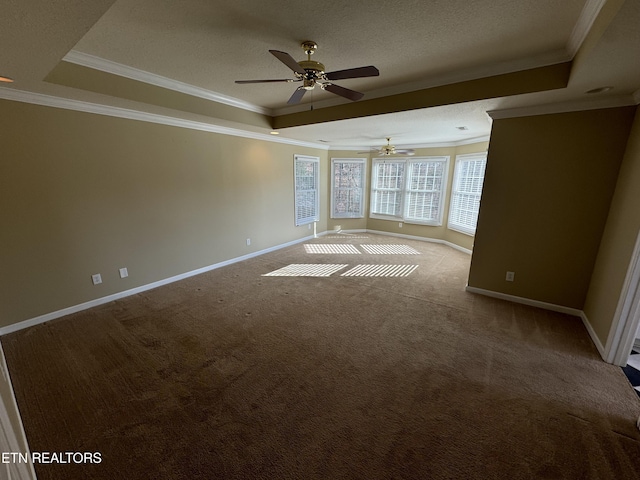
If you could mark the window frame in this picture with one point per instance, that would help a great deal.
(362, 188)
(405, 190)
(455, 187)
(315, 215)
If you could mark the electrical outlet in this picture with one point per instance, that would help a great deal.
(510, 276)
(248, 242)
(96, 279)
(400, 225)
(124, 272)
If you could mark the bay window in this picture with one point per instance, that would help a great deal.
(409, 189)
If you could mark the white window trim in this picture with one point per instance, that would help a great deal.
(407, 161)
(456, 173)
(363, 182)
(316, 217)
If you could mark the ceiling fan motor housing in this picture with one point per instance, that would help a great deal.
(314, 70)
(312, 65)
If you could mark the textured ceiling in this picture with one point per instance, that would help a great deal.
(414, 43)
(210, 44)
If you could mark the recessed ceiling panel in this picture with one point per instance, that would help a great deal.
(210, 44)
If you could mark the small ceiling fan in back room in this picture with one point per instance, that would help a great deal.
(389, 149)
(311, 73)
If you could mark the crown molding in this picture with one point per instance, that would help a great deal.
(99, 109)
(107, 66)
(565, 107)
(585, 21)
(456, 143)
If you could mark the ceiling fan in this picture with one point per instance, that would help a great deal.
(311, 73)
(389, 149)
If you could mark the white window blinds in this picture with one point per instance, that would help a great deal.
(386, 192)
(411, 190)
(306, 202)
(424, 191)
(466, 192)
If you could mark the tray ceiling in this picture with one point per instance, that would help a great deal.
(417, 46)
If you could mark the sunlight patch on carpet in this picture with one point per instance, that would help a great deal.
(390, 249)
(330, 248)
(380, 271)
(306, 270)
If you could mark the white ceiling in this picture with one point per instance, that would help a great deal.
(415, 44)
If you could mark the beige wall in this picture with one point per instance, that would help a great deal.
(83, 194)
(618, 241)
(425, 231)
(547, 191)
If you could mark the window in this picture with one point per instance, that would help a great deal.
(386, 190)
(465, 194)
(410, 190)
(306, 202)
(347, 187)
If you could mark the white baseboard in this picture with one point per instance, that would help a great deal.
(116, 296)
(594, 338)
(353, 231)
(126, 293)
(546, 306)
(422, 239)
(525, 301)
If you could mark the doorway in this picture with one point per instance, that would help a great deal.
(627, 317)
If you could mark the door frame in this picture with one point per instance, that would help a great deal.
(12, 435)
(627, 316)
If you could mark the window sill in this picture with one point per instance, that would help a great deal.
(464, 232)
(403, 220)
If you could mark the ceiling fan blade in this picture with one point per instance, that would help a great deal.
(297, 96)
(344, 92)
(288, 60)
(267, 81)
(359, 72)
(408, 151)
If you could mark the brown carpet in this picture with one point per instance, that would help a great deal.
(234, 375)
